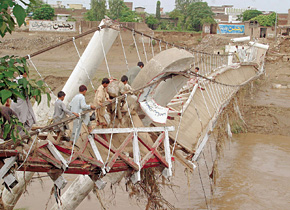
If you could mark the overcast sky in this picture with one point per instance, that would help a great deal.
(280, 6)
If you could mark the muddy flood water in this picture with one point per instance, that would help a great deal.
(254, 174)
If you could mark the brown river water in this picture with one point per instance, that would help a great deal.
(254, 174)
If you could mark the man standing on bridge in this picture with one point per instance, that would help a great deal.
(133, 72)
(78, 105)
(60, 112)
(102, 96)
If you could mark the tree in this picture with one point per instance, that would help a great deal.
(7, 23)
(158, 15)
(119, 11)
(266, 20)
(33, 6)
(182, 5)
(115, 8)
(45, 12)
(175, 14)
(249, 14)
(151, 21)
(97, 11)
(198, 13)
(11, 66)
(129, 16)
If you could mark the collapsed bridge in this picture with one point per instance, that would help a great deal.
(173, 120)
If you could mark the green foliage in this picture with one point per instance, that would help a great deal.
(151, 21)
(12, 88)
(36, 4)
(22, 88)
(11, 66)
(249, 14)
(117, 11)
(129, 16)
(45, 12)
(71, 19)
(166, 25)
(208, 19)
(97, 11)
(116, 7)
(182, 5)
(7, 23)
(175, 14)
(191, 15)
(158, 15)
(8, 128)
(266, 20)
(197, 14)
(237, 127)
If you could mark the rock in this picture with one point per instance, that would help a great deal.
(276, 86)
(113, 88)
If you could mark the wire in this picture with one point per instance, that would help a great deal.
(39, 74)
(133, 34)
(105, 58)
(124, 52)
(110, 144)
(28, 151)
(205, 198)
(144, 49)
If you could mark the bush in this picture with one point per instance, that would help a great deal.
(46, 12)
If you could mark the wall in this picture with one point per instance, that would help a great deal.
(87, 25)
(282, 19)
(78, 14)
(129, 5)
(288, 17)
(221, 18)
(231, 29)
(40, 25)
(75, 6)
(254, 30)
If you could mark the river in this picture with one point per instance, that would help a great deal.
(254, 173)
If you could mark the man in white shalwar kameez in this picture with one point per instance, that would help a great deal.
(78, 105)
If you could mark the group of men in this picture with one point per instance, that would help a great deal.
(78, 104)
(240, 54)
(22, 109)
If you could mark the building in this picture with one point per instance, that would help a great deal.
(62, 17)
(234, 14)
(140, 9)
(227, 13)
(57, 5)
(76, 14)
(253, 29)
(221, 18)
(129, 5)
(288, 17)
(75, 6)
(219, 11)
(284, 29)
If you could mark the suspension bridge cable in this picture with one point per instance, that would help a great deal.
(39, 74)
